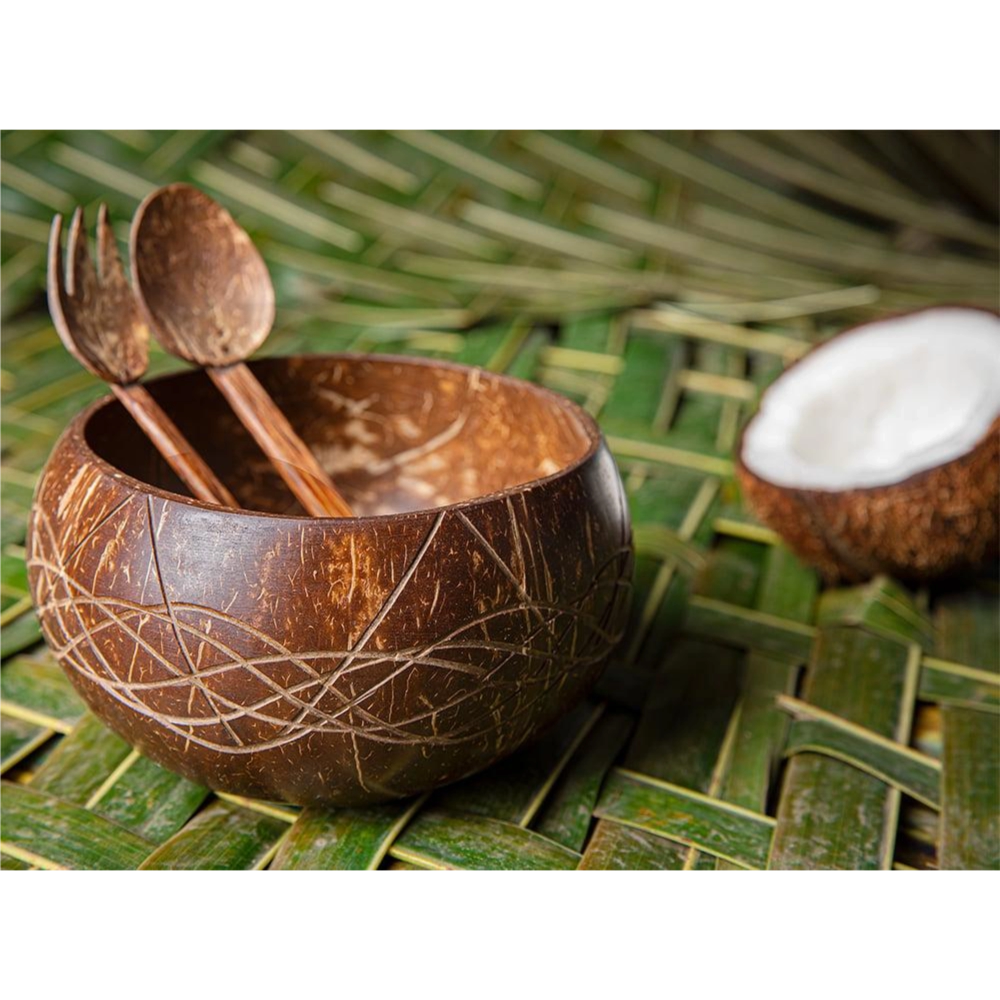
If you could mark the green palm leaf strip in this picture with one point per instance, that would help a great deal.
(709, 825)
(439, 839)
(816, 731)
(869, 680)
(970, 793)
(48, 832)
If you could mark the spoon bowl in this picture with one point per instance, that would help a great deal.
(209, 299)
(199, 274)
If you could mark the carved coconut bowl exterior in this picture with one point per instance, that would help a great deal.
(261, 652)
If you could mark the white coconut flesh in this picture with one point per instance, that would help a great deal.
(879, 404)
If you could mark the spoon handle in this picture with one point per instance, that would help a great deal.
(277, 439)
(172, 445)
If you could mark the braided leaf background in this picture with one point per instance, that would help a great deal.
(750, 719)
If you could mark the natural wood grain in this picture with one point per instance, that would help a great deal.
(99, 321)
(270, 428)
(179, 453)
(208, 297)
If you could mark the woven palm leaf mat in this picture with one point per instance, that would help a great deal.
(750, 719)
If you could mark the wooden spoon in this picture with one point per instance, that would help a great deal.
(99, 322)
(208, 297)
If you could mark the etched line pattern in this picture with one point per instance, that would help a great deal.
(493, 678)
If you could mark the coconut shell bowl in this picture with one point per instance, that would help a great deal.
(473, 599)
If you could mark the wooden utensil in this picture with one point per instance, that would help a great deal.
(208, 297)
(99, 321)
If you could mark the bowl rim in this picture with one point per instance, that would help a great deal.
(76, 433)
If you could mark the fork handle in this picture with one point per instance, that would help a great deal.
(278, 440)
(172, 445)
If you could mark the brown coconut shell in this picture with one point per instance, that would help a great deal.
(337, 661)
(936, 523)
(939, 522)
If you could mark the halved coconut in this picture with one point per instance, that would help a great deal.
(879, 451)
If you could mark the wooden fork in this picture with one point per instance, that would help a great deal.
(99, 321)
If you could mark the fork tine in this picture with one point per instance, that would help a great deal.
(56, 273)
(82, 278)
(55, 283)
(109, 260)
(61, 307)
(97, 321)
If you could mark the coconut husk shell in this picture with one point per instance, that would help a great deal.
(939, 522)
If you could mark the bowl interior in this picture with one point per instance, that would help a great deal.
(394, 434)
